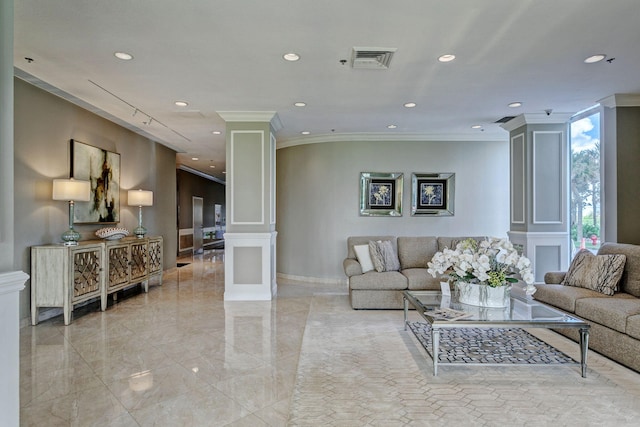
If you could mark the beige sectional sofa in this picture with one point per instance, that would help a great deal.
(383, 290)
(614, 320)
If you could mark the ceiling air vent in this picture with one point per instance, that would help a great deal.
(373, 58)
(505, 119)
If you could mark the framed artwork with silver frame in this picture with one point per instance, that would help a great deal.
(433, 194)
(381, 194)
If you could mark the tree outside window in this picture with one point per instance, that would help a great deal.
(585, 210)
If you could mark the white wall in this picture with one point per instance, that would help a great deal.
(318, 197)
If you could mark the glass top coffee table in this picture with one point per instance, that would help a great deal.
(445, 312)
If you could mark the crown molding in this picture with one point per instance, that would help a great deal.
(621, 100)
(536, 119)
(201, 174)
(252, 116)
(395, 137)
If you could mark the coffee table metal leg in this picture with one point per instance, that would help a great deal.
(584, 348)
(435, 339)
(406, 311)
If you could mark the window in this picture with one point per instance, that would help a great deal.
(585, 209)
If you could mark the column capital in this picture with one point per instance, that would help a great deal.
(621, 100)
(536, 119)
(252, 116)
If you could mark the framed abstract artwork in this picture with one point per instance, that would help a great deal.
(102, 169)
(433, 194)
(381, 194)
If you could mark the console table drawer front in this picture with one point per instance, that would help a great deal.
(87, 265)
(139, 265)
(118, 265)
(155, 255)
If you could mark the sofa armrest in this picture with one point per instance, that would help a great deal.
(351, 267)
(554, 277)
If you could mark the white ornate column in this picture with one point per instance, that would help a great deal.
(250, 240)
(539, 189)
(10, 286)
(11, 282)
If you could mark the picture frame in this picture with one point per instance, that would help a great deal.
(102, 169)
(433, 194)
(381, 194)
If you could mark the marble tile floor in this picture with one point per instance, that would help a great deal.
(181, 356)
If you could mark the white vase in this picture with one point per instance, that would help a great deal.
(483, 295)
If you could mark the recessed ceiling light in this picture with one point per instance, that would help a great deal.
(305, 132)
(391, 126)
(216, 132)
(515, 104)
(181, 103)
(224, 171)
(291, 56)
(595, 58)
(195, 158)
(300, 104)
(447, 58)
(123, 55)
(476, 127)
(212, 166)
(410, 104)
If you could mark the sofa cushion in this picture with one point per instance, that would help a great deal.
(415, 252)
(384, 256)
(611, 312)
(419, 279)
(600, 273)
(364, 240)
(563, 297)
(376, 256)
(630, 282)
(374, 280)
(364, 257)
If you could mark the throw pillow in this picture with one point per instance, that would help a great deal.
(600, 273)
(364, 257)
(389, 255)
(376, 255)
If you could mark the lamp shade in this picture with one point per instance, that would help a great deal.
(71, 190)
(140, 198)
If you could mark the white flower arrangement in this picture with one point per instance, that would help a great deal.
(491, 262)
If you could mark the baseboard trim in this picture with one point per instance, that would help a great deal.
(307, 279)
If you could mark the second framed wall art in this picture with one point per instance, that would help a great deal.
(432, 194)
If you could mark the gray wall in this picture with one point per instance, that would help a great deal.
(628, 151)
(44, 124)
(318, 190)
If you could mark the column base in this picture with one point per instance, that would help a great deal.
(548, 251)
(250, 266)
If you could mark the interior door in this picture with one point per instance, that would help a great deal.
(197, 224)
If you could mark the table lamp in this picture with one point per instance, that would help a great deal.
(140, 198)
(71, 190)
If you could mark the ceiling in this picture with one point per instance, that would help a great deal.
(227, 55)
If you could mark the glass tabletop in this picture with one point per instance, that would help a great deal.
(437, 308)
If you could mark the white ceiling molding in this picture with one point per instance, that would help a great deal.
(391, 137)
(201, 174)
(252, 116)
(536, 119)
(621, 100)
